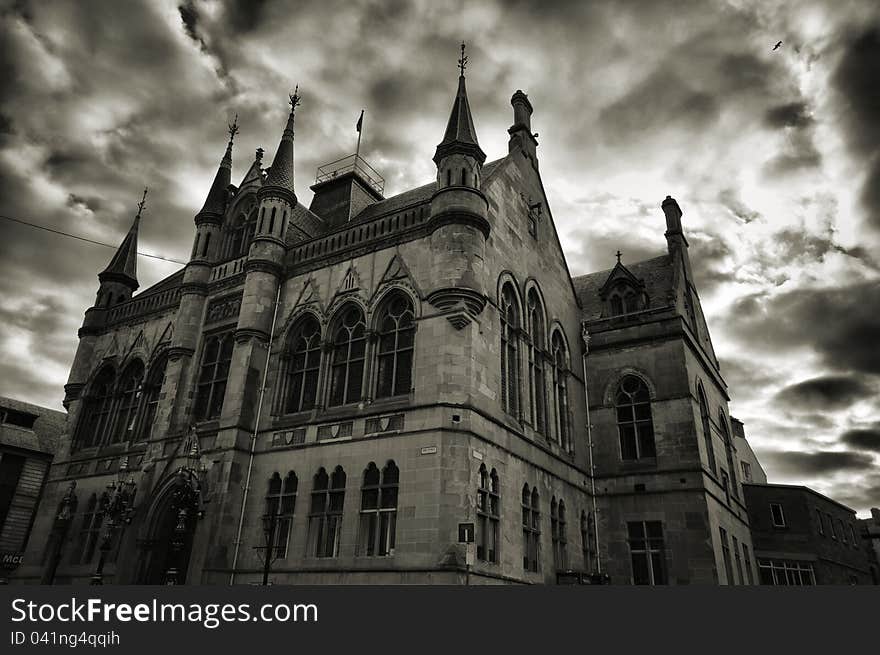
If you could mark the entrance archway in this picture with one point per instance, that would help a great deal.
(165, 552)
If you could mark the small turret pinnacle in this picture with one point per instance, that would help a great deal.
(215, 203)
(123, 266)
(460, 136)
(281, 171)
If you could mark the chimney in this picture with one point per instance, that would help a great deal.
(673, 216)
(521, 136)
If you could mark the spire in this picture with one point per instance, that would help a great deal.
(460, 136)
(123, 266)
(281, 172)
(215, 203)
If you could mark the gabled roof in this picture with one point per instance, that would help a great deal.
(307, 221)
(619, 272)
(656, 274)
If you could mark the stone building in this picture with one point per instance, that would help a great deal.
(804, 538)
(392, 390)
(749, 466)
(870, 536)
(29, 436)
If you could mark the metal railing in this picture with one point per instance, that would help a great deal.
(349, 164)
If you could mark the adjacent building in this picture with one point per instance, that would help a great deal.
(29, 437)
(403, 389)
(870, 535)
(749, 466)
(804, 538)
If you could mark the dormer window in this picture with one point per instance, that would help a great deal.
(623, 293)
(625, 300)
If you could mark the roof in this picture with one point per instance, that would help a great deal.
(795, 487)
(416, 196)
(307, 220)
(215, 203)
(656, 274)
(124, 262)
(47, 429)
(281, 171)
(460, 127)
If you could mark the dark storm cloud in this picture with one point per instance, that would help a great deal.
(857, 79)
(832, 392)
(841, 323)
(862, 439)
(791, 114)
(799, 464)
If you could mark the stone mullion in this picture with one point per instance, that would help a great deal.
(371, 346)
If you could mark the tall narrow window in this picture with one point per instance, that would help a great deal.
(280, 504)
(272, 221)
(531, 526)
(707, 430)
(347, 363)
(560, 391)
(738, 560)
(747, 562)
(89, 531)
(635, 424)
(303, 356)
(647, 552)
(587, 539)
(819, 524)
(397, 330)
(725, 552)
(212, 377)
(378, 524)
(129, 395)
(728, 447)
(488, 516)
(557, 534)
(96, 409)
(325, 513)
(537, 390)
(777, 514)
(152, 390)
(509, 351)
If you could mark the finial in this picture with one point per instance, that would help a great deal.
(142, 203)
(233, 128)
(295, 100)
(259, 154)
(462, 62)
(618, 256)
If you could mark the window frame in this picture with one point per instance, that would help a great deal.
(781, 522)
(280, 503)
(377, 525)
(510, 327)
(325, 523)
(653, 550)
(398, 354)
(309, 372)
(208, 390)
(633, 420)
(348, 372)
(488, 509)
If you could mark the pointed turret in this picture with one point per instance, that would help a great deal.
(123, 267)
(281, 173)
(461, 135)
(215, 203)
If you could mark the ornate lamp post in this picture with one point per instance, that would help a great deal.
(117, 505)
(186, 501)
(66, 510)
(270, 524)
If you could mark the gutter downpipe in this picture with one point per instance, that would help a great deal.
(585, 335)
(247, 483)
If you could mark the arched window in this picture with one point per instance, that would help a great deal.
(728, 447)
(280, 505)
(89, 531)
(397, 330)
(347, 359)
(211, 387)
(557, 534)
(152, 389)
(96, 408)
(488, 515)
(707, 429)
(587, 539)
(537, 388)
(126, 408)
(560, 391)
(509, 351)
(634, 421)
(325, 513)
(303, 355)
(625, 300)
(531, 525)
(378, 524)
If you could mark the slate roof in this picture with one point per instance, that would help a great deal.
(656, 273)
(47, 431)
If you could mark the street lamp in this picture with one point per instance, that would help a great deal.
(270, 524)
(117, 505)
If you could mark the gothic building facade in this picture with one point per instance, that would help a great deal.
(394, 390)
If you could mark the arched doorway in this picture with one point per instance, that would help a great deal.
(165, 553)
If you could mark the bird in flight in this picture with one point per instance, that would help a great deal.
(777, 46)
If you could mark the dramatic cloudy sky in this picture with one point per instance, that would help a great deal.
(774, 157)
